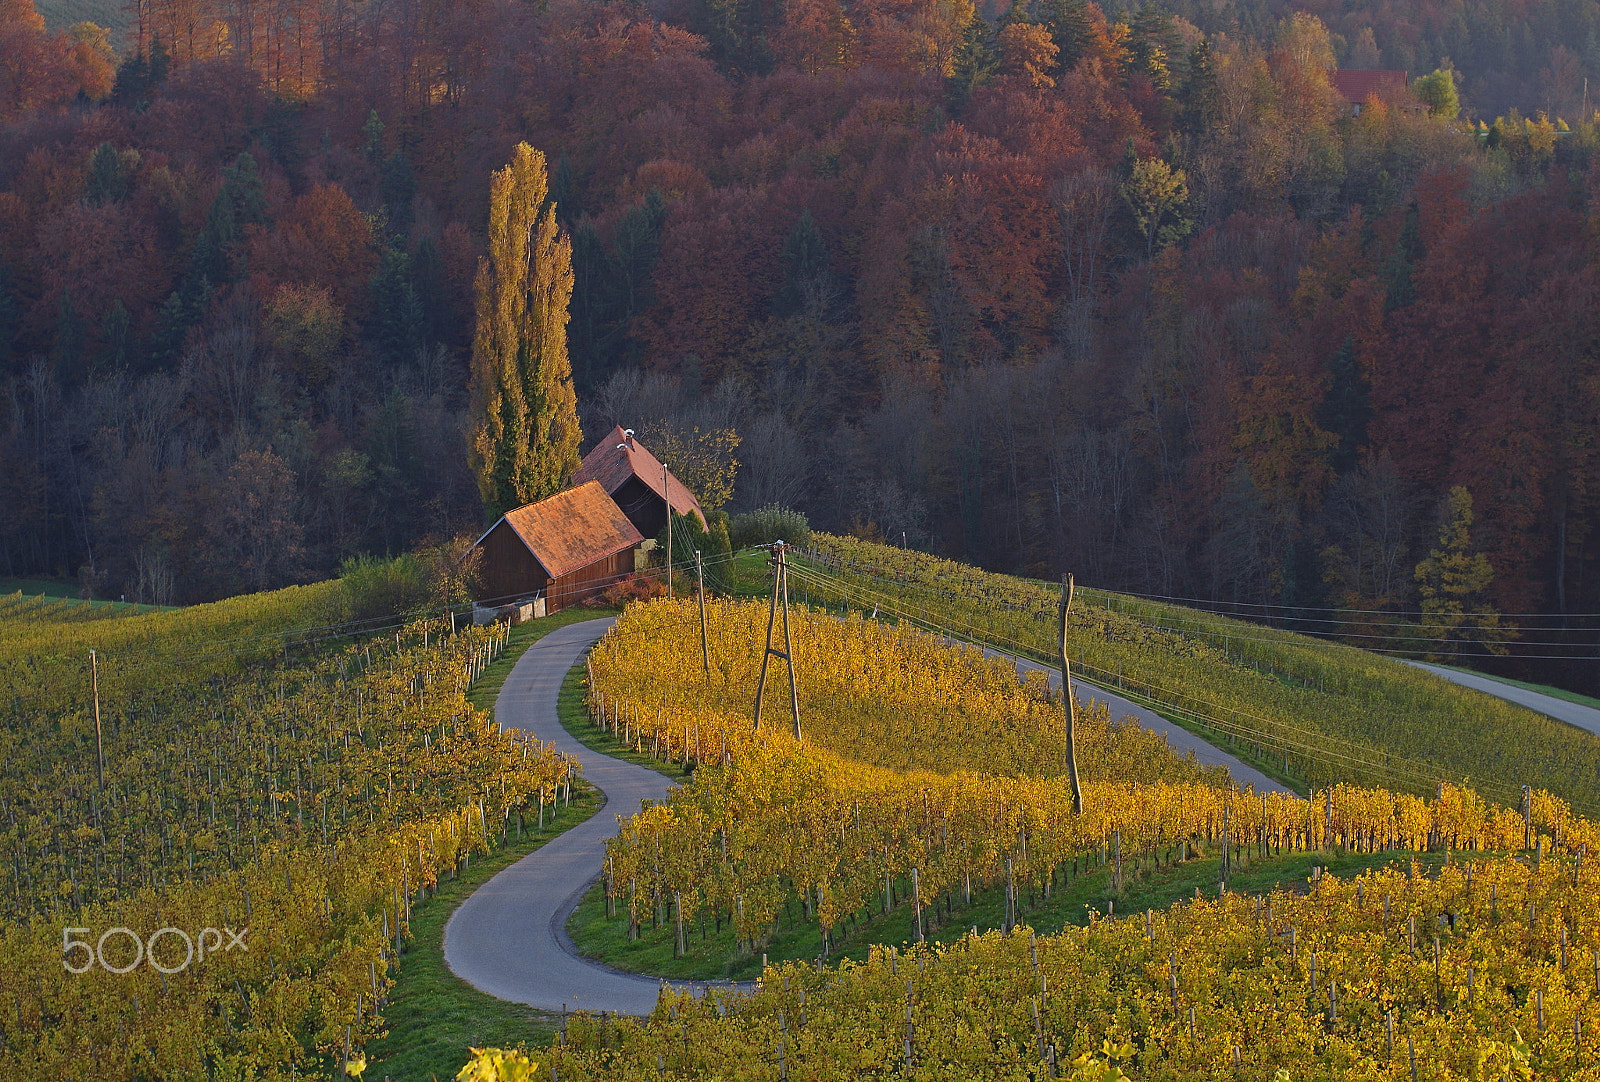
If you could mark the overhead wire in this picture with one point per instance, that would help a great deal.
(1412, 772)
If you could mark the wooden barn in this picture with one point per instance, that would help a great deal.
(564, 549)
(636, 480)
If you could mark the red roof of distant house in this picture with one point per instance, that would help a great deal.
(573, 529)
(1356, 85)
(618, 456)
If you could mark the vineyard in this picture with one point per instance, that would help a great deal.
(1487, 971)
(1315, 712)
(297, 789)
(1490, 967)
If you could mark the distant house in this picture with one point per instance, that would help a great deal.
(561, 550)
(634, 478)
(1357, 85)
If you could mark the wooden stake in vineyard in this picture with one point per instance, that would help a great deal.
(705, 648)
(99, 742)
(780, 586)
(1066, 698)
(666, 494)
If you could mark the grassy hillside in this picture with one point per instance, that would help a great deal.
(1318, 711)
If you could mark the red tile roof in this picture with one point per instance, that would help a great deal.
(1356, 85)
(573, 529)
(612, 468)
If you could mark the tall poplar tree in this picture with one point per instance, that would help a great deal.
(526, 443)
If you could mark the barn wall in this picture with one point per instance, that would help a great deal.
(644, 508)
(508, 569)
(586, 582)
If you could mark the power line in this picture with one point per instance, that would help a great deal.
(1412, 772)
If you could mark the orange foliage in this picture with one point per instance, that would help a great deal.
(321, 240)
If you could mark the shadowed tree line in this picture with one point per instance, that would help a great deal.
(1046, 288)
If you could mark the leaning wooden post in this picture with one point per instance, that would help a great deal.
(705, 648)
(1066, 698)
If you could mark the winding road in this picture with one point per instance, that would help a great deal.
(1179, 739)
(509, 937)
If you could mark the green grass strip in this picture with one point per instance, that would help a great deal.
(434, 1016)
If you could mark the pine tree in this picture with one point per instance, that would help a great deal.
(805, 263)
(107, 182)
(526, 444)
(10, 315)
(1454, 583)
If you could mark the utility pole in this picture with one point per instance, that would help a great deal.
(666, 494)
(780, 586)
(99, 741)
(705, 647)
(1066, 698)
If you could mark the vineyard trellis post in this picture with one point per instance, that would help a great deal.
(666, 494)
(99, 741)
(780, 587)
(705, 648)
(1066, 698)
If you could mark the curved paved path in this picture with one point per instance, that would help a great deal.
(1179, 739)
(1584, 717)
(509, 937)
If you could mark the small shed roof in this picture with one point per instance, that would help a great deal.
(618, 456)
(1356, 85)
(572, 529)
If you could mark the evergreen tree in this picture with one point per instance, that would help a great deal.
(399, 190)
(1070, 29)
(635, 253)
(525, 446)
(372, 130)
(1454, 583)
(427, 274)
(564, 192)
(1152, 41)
(114, 328)
(66, 349)
(397, 327)
(589, 307)
(160, 62)
(10, 314)
(1200, 98)
(1347, 408)
(805, 262)
(107, 182)
(737, 32)
(976, 61)
(612, 286)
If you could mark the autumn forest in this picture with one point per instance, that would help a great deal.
(1132, 293)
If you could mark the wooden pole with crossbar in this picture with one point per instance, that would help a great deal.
(780, 590)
